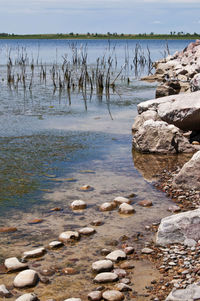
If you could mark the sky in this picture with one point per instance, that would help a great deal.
(99, 16)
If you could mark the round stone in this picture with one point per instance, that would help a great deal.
(26, 278)
(34, 253)
(95, 296)
(68, 236)
(87, 231)
(116, 255)
(108, 206)
(55, 244)
(28, 297)
(13, 264)
(102, 266)
(120, 200)
(78, 205)
(113, 295)
(106, 277)
(122, 287)
(145, 203)
(126, 209)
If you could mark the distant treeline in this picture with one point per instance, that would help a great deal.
(108, 35)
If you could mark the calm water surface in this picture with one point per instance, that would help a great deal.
(49, 149)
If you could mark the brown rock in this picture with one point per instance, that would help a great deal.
(127, 265)
(56, 209)
(7, 229)
(70, 271)
(145, 203)
(36, 221)
(95, 296)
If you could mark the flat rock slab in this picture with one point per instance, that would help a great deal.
(28, 297)
(178, 228)
(26, 278)
(13, 264)
(102, 266)
(35, 253)
(113, 295)
(191, 293)
(116, 255)
(106, 277)
(68, 236)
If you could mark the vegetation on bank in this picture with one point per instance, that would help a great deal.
(108, 35)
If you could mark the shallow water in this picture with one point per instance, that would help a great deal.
(49, 149)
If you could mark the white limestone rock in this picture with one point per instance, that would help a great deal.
(26, 278)
(102, 266)
(28, 297)
(68, 236)
(13, 264)
(34, 253)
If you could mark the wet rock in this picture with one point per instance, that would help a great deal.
(126, 209)
(102, 266)
(8, 229)
(26, 278)
(145, 203)
(35, 221)
(129, 250)
(55, 244)
(28, 297)
(116, 255)
(73, 299)
(13, 264)
(147, 251)
(95, 296)
(113, 295)
(106, 277)
(140, 119)
(70, 271)
(34, 253)
(97, 222)
(188, 176)
(105, 252)
(56, 209)
(190, 293)
(69, 236)
(108, 206)
(120, 200)
(177, 228)
(4, 292)
(87, 231)
(174, 208)
(86, 188)
(78, 205)
(47, 272)
(123, 287)
(121, 273)
(166, 89)
(125, 280)
(127, 265)
(160, 137)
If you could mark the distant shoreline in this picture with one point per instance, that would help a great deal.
(73, 36)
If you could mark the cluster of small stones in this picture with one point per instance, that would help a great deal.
(185, 199)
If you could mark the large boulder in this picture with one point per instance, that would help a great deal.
(141, 118)
(179, 228)
(182, 110)
(160, 137)
(189, 176)
(190, 293)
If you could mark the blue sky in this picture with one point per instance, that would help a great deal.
(101, 16)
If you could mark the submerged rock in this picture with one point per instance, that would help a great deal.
(126, 209)
(108, 206)
(26, 278)
(120, 200)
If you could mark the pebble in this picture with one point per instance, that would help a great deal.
(126, 209)
(55, 244)
(68, 236)
(125, 280)
(106, 277)
(102, 266)
(120, 272)
(8, 229)
(78, 205)
(56, 209)
(86, 188)
(34, 253)
(87, 231)
(107, 206)
(28, 297)
(105, 252)
(120, 200)
(129, 250)
(113, 295)
(122, 287)
(70, 271)
(127, 265)
(145, 203)
(13, 264)
(26, 278)
(97, 222)
(95, 296)
(147, 251)
(4, 292)
(35, 221)
(116, 255)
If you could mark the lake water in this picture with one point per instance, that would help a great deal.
(49, 148)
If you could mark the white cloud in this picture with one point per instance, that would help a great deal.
(156, 22)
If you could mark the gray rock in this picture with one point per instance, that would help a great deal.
(4, 292)
(13, 264)
(95, 296)
(34, 253)
(160, 137)
(126, 209)
(191, 293)
(140, 119)
(116, 255)
(87, 231)
(113, 295)
(68, 236)
(177, 228)
(26, 278)
(188, 177)
(106, 277)
(28, 297)
(102, 266)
